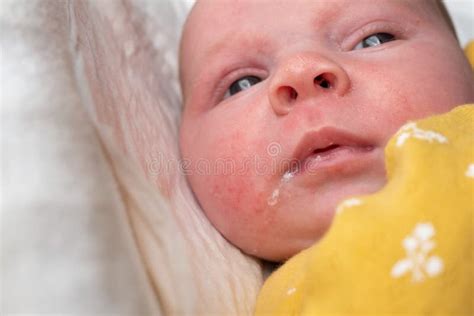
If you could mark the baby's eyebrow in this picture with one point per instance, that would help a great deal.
(254, 42)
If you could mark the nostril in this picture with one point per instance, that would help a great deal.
(325, 84)
(293, 94)
(318, 79)
(287, 94)
(322, 82)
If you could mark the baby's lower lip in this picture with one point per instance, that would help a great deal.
(338, 158)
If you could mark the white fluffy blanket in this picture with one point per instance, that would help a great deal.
(92, 222)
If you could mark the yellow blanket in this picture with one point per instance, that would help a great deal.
(406, 250)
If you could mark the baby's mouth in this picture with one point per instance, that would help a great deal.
(326, 150)
(330, 155)
(329, 148)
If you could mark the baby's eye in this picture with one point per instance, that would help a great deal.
(241, 84)
(375, 40)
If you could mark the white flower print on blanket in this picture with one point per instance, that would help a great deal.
(412, 130)
(418, 245)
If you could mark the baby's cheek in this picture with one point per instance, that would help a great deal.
(441, 77)
(240, 208)
(420, 86)
(235, 199)
(244, 196)
(240, 185)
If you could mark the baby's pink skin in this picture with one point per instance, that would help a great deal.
(374, 91)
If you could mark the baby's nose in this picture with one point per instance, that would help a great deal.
(305, 75)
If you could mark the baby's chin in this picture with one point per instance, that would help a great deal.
(302, 216)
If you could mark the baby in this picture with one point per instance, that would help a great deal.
(289, 105)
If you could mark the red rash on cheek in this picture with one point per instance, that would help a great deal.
(234, 194)
(243, 196)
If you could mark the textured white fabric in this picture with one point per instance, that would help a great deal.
(462, 14)
(91, 224)
(65, 243)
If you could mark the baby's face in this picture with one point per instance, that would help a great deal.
(289, 104)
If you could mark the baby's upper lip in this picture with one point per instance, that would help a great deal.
(325, 139)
